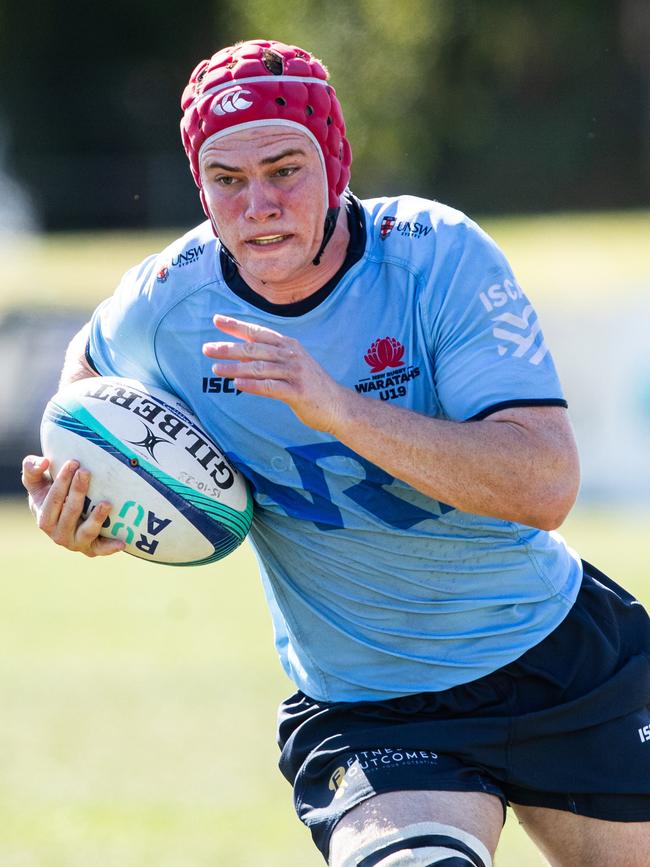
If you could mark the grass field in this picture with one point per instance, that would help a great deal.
(138, 704)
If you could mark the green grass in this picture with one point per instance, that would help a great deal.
(568, 259)
(138, 706)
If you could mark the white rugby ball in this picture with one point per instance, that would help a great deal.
(175, 497)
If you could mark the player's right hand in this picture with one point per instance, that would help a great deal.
(58, 505)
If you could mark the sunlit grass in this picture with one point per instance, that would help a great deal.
(138, 706)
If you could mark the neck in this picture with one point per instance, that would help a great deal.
(314, 276)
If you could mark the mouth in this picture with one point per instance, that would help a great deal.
(267, 240)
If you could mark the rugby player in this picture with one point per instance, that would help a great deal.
(376, 371)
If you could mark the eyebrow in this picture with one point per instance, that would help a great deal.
(267, 161)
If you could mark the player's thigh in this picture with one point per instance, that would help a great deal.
(476, 814)
(569, 840)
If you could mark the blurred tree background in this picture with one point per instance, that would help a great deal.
(492, 107)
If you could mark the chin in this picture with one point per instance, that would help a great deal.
(272, 277)
(280, 272)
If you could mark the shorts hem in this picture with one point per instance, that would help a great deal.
(571, 803)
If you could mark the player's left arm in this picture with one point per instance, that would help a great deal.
(519, 464)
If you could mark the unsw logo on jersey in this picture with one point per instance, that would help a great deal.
(187, 257)
(404, 227)
(388, 375)
(387, 226)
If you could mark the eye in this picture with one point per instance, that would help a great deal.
(225, 180)
(287, 171)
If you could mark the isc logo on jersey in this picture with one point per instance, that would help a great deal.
(518, 333)
(219, 385)
(176, 498)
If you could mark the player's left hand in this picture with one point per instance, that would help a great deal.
(267, 363)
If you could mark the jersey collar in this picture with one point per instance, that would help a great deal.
(356, 247)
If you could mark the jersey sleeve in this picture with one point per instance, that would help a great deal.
(122, 329)
(488, 349)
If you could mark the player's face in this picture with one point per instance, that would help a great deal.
(265, 189)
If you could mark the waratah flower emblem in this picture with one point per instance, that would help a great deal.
(384, 352)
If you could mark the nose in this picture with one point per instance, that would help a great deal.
(261, 203)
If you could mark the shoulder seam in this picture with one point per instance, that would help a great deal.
(394, 260)
(168, 310)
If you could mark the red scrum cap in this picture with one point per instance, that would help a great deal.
(263, 82)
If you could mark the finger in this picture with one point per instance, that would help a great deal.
(247, 351)
(87, 537)
(252, 370)
(33, 472)
(71, 511)
(103, 547)
(53, 501)
(274, 388)
(247, 330)
(34, 466)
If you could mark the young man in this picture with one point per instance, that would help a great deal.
(382, 380)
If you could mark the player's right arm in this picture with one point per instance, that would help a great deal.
(57, 504)
(118, 341)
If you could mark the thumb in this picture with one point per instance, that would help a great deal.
(34, 467)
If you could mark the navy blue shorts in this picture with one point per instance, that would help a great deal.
(566, 726)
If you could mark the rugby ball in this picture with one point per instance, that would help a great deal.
(176, 499)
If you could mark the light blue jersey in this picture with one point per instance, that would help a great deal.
(376, 590)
